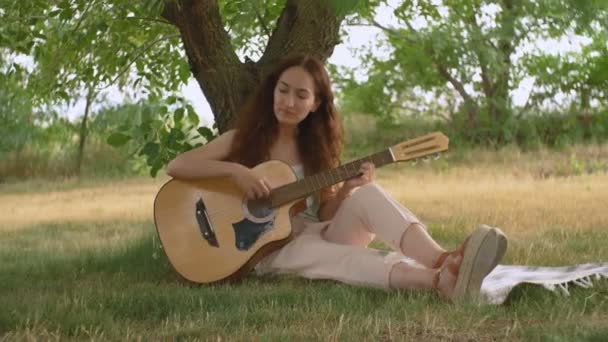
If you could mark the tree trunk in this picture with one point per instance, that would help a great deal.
(303, 27)
(83, 131)
(499, 99)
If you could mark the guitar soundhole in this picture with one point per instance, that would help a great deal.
(259, 209)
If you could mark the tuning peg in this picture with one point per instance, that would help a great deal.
(435, 156)
(415, 161)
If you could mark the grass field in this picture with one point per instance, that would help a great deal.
(80, 260)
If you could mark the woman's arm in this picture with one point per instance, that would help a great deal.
(329, 206)
(205, 161)
(209, 161)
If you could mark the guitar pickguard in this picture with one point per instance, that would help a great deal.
(248, 232)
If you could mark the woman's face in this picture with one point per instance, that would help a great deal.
(294, 96)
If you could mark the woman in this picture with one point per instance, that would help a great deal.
(292, 118)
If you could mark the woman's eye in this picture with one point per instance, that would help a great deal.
(283, 91)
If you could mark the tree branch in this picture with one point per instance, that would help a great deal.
(170, 11)
(223, 78)
(156, 20)
(485, 77)
(261, 20)
(139, 54)
(309, 27)
(89, 5)
(458, 86)
(394, 32)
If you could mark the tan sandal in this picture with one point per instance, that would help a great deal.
(479, 258)
(451, 268)
(501, 245)
(444, 256)
(500, 251)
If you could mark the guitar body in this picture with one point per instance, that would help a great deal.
(210, 232)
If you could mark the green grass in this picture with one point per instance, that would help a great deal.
(103, 276)
(82, 281)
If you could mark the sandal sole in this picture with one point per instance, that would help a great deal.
(477, 262)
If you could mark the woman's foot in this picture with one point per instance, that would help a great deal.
(451, 257)
(461, 274)
(445, 278)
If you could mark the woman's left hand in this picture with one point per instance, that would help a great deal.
(367, 175)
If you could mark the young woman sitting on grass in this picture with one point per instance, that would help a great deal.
(291, 117)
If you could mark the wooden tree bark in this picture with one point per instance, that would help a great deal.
(304, 26)
(499, 106)
(83, 133)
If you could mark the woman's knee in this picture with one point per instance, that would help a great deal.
(370, 190)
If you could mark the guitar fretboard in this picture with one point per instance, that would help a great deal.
(316, 182)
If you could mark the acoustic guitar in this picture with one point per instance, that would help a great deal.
(211, 232)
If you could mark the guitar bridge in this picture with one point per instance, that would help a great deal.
(204, 224)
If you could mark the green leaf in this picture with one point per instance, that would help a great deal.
(171, 99)
(150, 150)
(162, 110)
(66, 14)
(206, 133)
(64, 95)
(343, 7)
(184, 73)
(179, 114)
(118, 139)
(192, 116)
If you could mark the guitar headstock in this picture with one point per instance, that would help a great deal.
(419, 147)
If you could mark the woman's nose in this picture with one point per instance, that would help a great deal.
(289, 101)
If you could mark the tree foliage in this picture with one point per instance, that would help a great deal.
(16, 110)
(478, 51)
(469, 54)
(80, 44)
(85, 48)
(82, 48)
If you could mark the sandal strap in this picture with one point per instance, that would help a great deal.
(451, 267)
(441, 259)
(459, 251)
(436, 278)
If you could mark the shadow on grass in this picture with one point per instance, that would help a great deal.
(61, 288)
(127, 284)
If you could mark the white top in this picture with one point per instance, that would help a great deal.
(312, 201)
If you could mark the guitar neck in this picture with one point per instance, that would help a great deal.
(308, 185)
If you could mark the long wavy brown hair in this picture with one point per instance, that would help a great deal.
(320, 135)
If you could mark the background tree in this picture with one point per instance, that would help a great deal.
(16, 109)
(472, 49)
(81, 48)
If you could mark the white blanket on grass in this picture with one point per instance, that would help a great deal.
(497, 285)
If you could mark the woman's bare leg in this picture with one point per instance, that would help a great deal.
(404, 276)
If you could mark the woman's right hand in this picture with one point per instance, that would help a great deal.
(252, 185)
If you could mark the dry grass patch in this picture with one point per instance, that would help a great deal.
(518, 205)
(126, 201)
